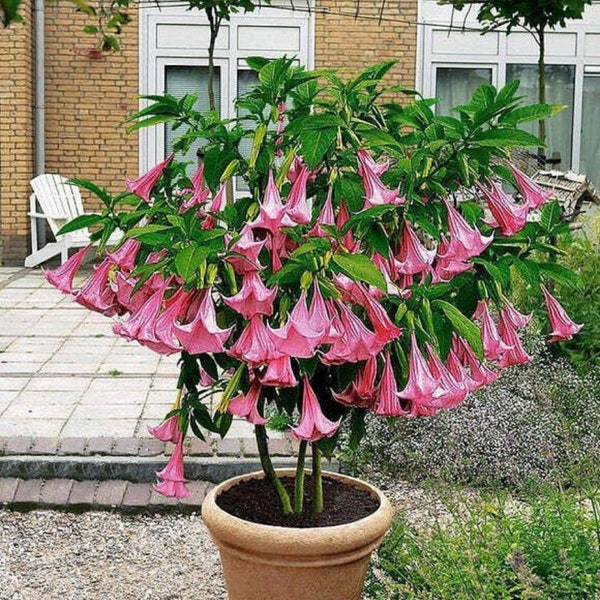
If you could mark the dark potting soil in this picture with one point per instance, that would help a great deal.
(255, 500)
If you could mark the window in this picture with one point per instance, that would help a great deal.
(182, 80)
(455, 85)
(590, 128)
(560, 85)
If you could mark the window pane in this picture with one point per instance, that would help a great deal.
(560, 86)
(590, 129)
(246, 79)
(182, 80)
(455, 86)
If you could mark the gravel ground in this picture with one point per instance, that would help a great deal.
(53, 555)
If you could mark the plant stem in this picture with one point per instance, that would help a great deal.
(265, 460)
(317, 480)
(542, 86)
(299, 484)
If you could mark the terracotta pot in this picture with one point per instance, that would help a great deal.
(264, 562)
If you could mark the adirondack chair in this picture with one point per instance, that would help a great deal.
(59, 202)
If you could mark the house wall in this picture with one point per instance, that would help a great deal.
(16, 135)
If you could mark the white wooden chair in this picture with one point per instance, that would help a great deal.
(59, 202)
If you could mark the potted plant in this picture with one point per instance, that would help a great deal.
(367, 268)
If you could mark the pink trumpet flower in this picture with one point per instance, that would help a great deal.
(413, 257)
(254, 298)
(123, 288)
(348, 240)
(388, 404)
(165, 339)
(279, 373)
(509, 216)
(272, 215)
(297, 204)
(516, 318)
(385, 329)
(356, 342)
(168, 430)
(246, 405)
(216, 206)
(480, 375)
(173, 484)
(493, 346)
(248, 251)
(326, 217)
(256, 345)
(453, 385)
(200, 192)
(319, 317)
(362, 391)
(563, 327)
(142, 187)
(298, 337)
(422, 389)
(62, 277)
(376, 193)
(516, 354)
(203, 334)
(465, 241)
(96, 294)
(124, 256)
(534, 194)
(313, 425)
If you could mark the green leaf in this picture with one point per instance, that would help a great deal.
(360, 268)
(550, 216)
(464, 326)
(188, 261)
(315, 143)
(561, 274)
(506, 138)
(80, 222)
(529, 270)
(140, 231)
(317, 121)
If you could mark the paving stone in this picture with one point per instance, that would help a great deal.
(198, 490)
(28, 492)
(125, 447)
(281, 446)
(17, 445)
(44, 446)
(137, 494)
(72, 446)
(229, 447)
(151, 447)
(8, 487)
(56, 492)
(110, 493)
(82, 493)
(200, 447)
(157, 499)
(100, 445)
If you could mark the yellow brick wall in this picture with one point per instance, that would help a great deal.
(16, 136)
(348, 43)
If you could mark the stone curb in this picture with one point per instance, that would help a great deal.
(67, 494)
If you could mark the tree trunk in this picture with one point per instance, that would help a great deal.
(214, 23)
(542, 86)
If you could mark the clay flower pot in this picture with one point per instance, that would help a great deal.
(324, 563)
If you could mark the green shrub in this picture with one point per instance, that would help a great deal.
(540, 423)
(495, 551)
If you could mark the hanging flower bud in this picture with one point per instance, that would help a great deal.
(387, 403)
(143, 186)
(493, 346)
(297, 205)
(173, 484)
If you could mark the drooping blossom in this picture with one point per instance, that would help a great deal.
(200, 192)
(493, 346)
(173, 478)
(351, 291)
(279, 373)
(517, 319)
(313, 425)
(272, 215)
(413, 257)
(507, 215)
(143, 186)
(246, 405)
(124, 285)
(297, 203)
(165, 338)
(97, 294)
(348, 240)
(62, 277)
(355, 343)
(480, 374)
(247, 251)
(298, 337)
(385, 329)
(516, 354)
(362, 391)
(326, 217)
(256, 345)
(203, 334)
(254, 298)
(124, 256)
(453, 390)
(320, 317)
(216, 206)
(535, 195)
(563, 327)
(168, 430)
(388, 403)
(376, 192)
(460, 372)
(447, 269)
